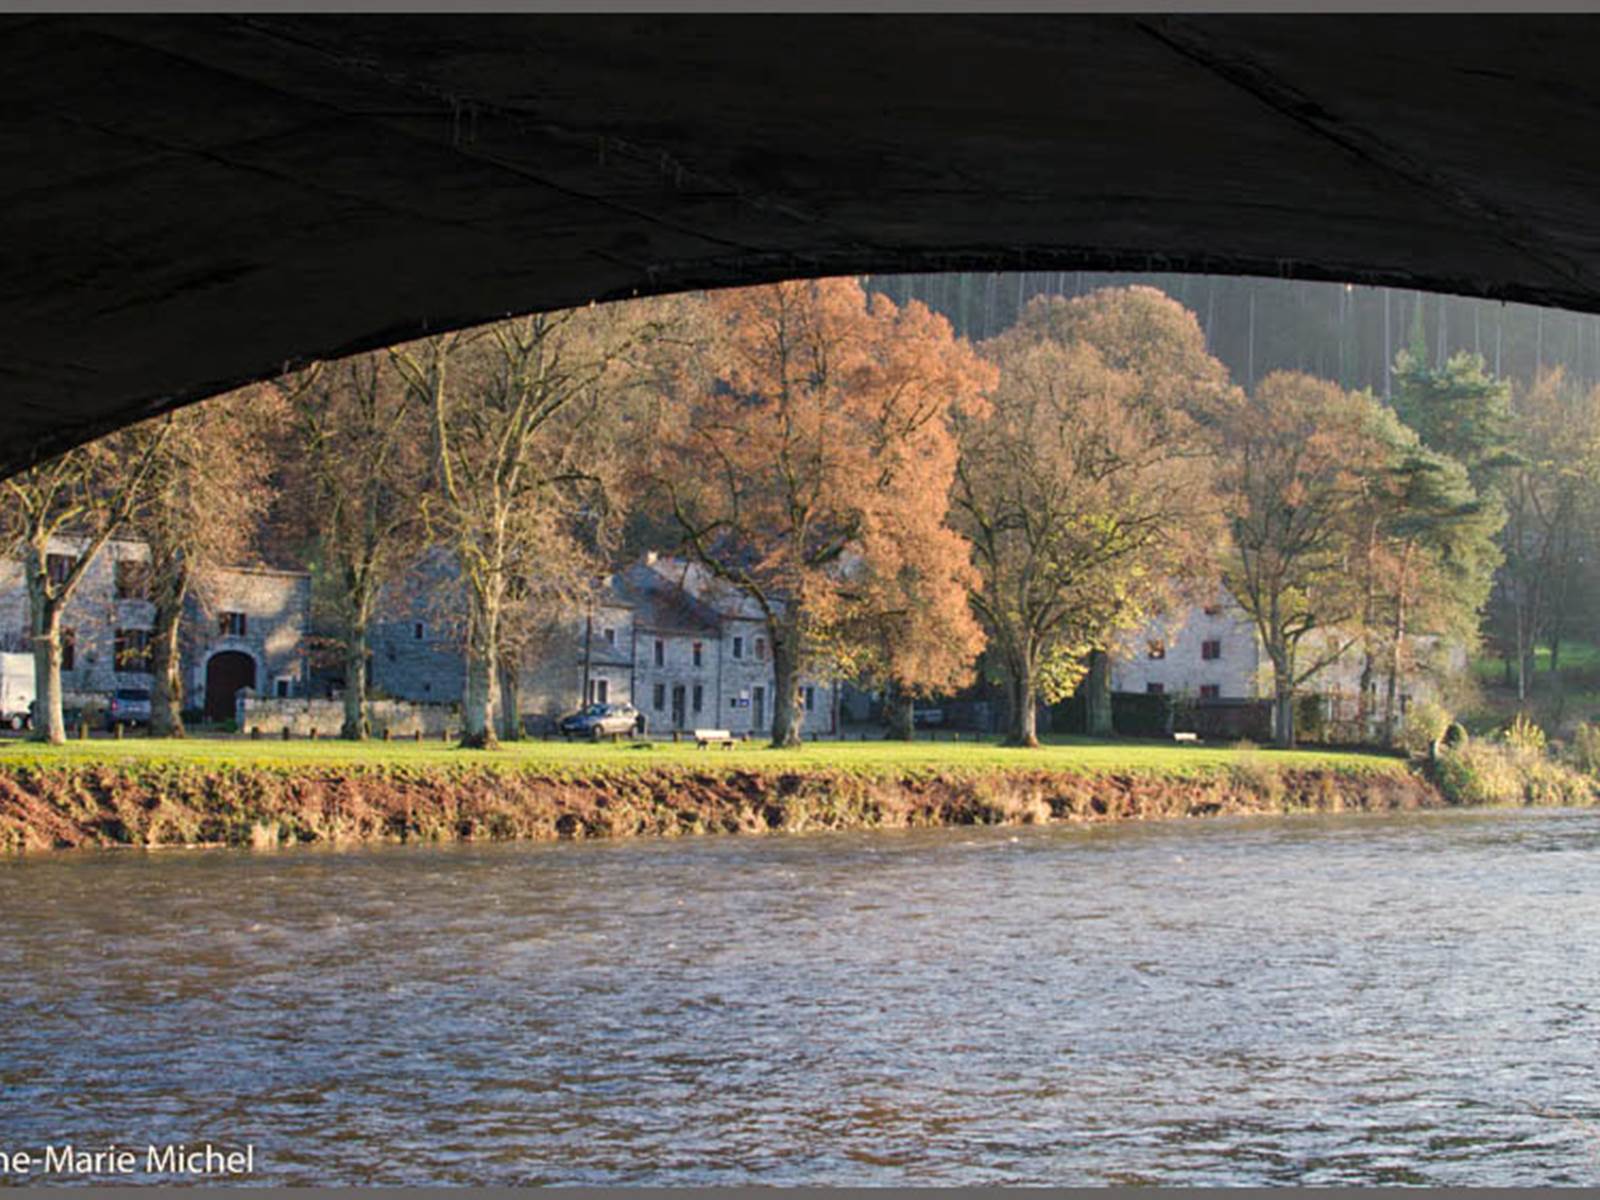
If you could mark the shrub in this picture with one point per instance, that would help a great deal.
(1585, 750)
(1486, 773)
(1424, 725)
(1525, 735)
(1258, 776)
(1310, 718)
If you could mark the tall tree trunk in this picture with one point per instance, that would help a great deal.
(900, 710)
(166, 675)
(48, 723)
(1365, 687)
(479, 702)
(510, 710)
(1391, 715)
(1282, 697)
(356, 727)
(1024, 703)
(1097, 695)
(787, 716)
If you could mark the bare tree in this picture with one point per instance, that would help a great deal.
(519, 443)
(208, 489)
(361, 475)
(80, 500)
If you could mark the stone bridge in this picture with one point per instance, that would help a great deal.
(190, 203)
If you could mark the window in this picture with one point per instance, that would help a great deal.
(388, 650)
(660, 698)
(738, 647)
(697, 698)
(1158, 648)
(1210, 691)
(69, 648)
(132, 579)
(733, 702)
(419, 631)
(59, 566)
(699, 648)
(811, 699)
(1155, 689)
(232, 624)
(761, 649)
(661, 656)
(611, 637)
(1211, 649)
(132, 650)
(283, 689)
(597, 691)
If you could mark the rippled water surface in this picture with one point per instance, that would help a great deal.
(1317, 1000)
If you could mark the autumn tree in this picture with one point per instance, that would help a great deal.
(520, 446)
(207, 490)
(1295, 456)
(66, 510)
(812, 471)
(1087, 493)
(359, 476)
(1422, 554)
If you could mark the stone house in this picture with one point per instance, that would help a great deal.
(243, 627)
(664, 636)
(1212, 652)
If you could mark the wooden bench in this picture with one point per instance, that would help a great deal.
(713, 737)
(1186, 737)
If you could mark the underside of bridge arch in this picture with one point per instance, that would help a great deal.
(189, 203)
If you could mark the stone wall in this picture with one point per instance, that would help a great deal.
(301, 716)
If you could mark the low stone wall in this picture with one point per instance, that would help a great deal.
(401, 718)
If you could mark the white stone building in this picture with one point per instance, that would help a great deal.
(1213, 652)
(242, 627)
(666, 637)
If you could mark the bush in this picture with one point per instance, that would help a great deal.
(1485, 773)
(1525, 734)
(1258, 776)
(1425, 724)
(1585, 750)
(1310, 722)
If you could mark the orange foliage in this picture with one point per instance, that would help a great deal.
(813, 475)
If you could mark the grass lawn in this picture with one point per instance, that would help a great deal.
(1076, 755)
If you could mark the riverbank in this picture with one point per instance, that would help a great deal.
(149, 793)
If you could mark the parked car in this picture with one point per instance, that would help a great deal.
(16, 690)
(927, 716)
(129, 706)
(599, 720)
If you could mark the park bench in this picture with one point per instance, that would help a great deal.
(713, 737)
(1186, 737)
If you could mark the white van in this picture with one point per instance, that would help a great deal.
(16, 691)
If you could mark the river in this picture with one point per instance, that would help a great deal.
(1350, 999)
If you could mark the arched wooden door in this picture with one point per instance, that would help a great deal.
(226, 673)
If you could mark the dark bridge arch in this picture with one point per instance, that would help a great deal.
(190, 203)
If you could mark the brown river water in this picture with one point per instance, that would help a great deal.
(1351, 999)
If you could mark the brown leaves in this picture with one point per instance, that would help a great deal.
(813, 469)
